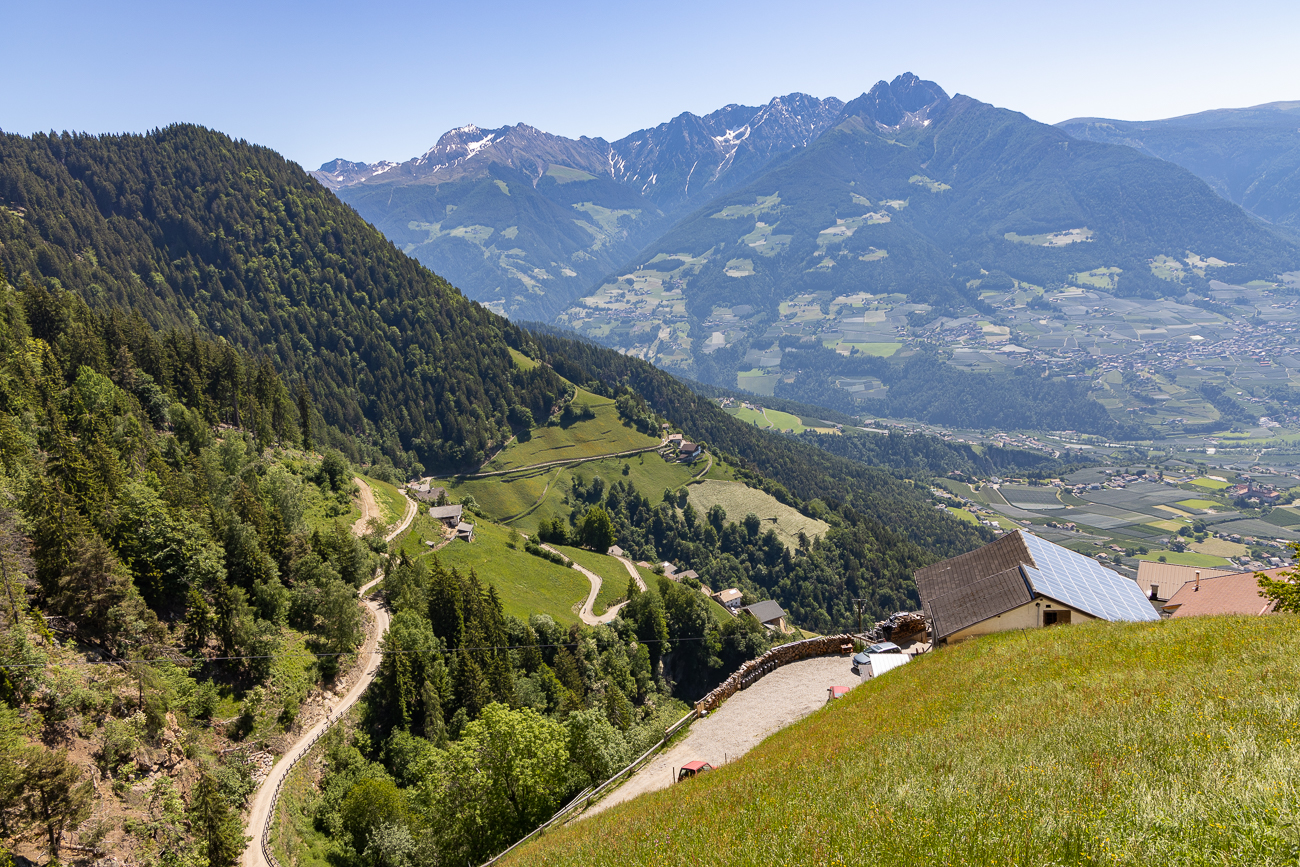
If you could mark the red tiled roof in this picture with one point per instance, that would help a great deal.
(1237, 593)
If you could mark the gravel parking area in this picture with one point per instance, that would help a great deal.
(782, 697)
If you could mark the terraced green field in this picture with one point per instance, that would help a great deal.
(517, 499)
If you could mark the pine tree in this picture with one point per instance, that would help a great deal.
(56, 796)
(216, 825)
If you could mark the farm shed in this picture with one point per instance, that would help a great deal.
(449, 515)
(1023, 582)
(768, 613)
(1235, 593)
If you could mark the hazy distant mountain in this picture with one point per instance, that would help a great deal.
(527, 221)
(903, 190)
(342, 173)
(1250, 156)
(916, 194)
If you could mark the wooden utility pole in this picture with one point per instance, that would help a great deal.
(860, 603)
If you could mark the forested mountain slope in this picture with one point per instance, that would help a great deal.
(1250, 156)
(187, 228)
(156, 566)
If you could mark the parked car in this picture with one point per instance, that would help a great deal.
(692, 769)
(885, 647)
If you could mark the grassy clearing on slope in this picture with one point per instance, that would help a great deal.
(527, 584)
(1175, 742)
(604, 434)
(737, 501)
(523, 362)
(513, 498)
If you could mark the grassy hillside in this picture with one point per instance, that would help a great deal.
(1167, 743)
(526, 498)
(604, 433)
(738, 500)
(528, 585)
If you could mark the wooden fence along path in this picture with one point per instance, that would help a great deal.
(785, 654)
(275, 799)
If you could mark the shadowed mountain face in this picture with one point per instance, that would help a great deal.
(1250, 156)
(914, 198)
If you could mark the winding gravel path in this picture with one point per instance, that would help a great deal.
(587, 614)
(264, 797)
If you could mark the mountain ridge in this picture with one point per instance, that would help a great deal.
(1250, 155)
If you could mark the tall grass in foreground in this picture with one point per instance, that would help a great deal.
(1157, 744)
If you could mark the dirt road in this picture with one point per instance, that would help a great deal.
(786, 695)
(587, 613)
(369, 508)
(264, 798)
(631, 570)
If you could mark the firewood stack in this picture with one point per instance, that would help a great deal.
(904, 624)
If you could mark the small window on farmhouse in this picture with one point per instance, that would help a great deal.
(1050, 618)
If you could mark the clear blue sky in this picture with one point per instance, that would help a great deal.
(383, 80)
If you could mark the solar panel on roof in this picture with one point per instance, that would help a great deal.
(1083, 583)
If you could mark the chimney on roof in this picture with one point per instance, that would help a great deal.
(1197, 588)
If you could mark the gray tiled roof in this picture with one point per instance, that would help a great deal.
(443, 513)
(765, 612)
